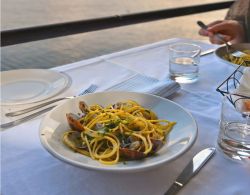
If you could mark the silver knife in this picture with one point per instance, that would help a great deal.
(198, 161)
(207, 52)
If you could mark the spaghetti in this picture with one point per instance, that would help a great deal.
(123, 131)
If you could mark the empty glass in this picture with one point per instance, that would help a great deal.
(183, 62)
(234, 135)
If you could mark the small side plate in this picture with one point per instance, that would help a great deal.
(25, 86)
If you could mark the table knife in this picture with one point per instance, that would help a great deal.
(204, 53)
(192, 168)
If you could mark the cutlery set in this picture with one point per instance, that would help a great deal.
(92, 88)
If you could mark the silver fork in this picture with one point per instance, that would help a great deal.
(90, 89)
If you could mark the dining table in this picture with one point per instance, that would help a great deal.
(28, 169)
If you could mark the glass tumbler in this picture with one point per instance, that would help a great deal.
(234, 134)
(183, 62)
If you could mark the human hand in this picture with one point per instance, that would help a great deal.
(230, 30)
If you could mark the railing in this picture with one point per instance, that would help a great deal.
(17, 36)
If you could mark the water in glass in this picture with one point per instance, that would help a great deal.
(183, 62)
(183, 70)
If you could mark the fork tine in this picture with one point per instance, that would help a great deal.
(93, 88)
(90, 89)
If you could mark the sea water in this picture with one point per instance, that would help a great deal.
(64, 50)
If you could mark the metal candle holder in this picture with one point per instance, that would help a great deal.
(228, 87)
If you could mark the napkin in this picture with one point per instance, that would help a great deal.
(146, 84)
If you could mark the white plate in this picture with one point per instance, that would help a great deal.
(221, 52)
(31, 85)
(179, 141)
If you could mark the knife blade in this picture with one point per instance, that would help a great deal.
(204, 53)
(192, 168)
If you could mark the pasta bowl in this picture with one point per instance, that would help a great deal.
(221, 52)
(178, 141)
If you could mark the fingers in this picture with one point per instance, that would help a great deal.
(215, 40)
(227, 38)
(222, 27)
(221, 39)
(226, 26)
(214, 23)
(204, 32)
(218, 27)
(212, 38)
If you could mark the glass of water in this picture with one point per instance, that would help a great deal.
(183, 62)
(234, 135)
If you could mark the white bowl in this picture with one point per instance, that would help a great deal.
(179, 140)
(221, 52)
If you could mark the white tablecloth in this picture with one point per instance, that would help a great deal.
(27, 168)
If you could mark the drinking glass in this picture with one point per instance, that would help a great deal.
(234, 135)
(183, 62)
